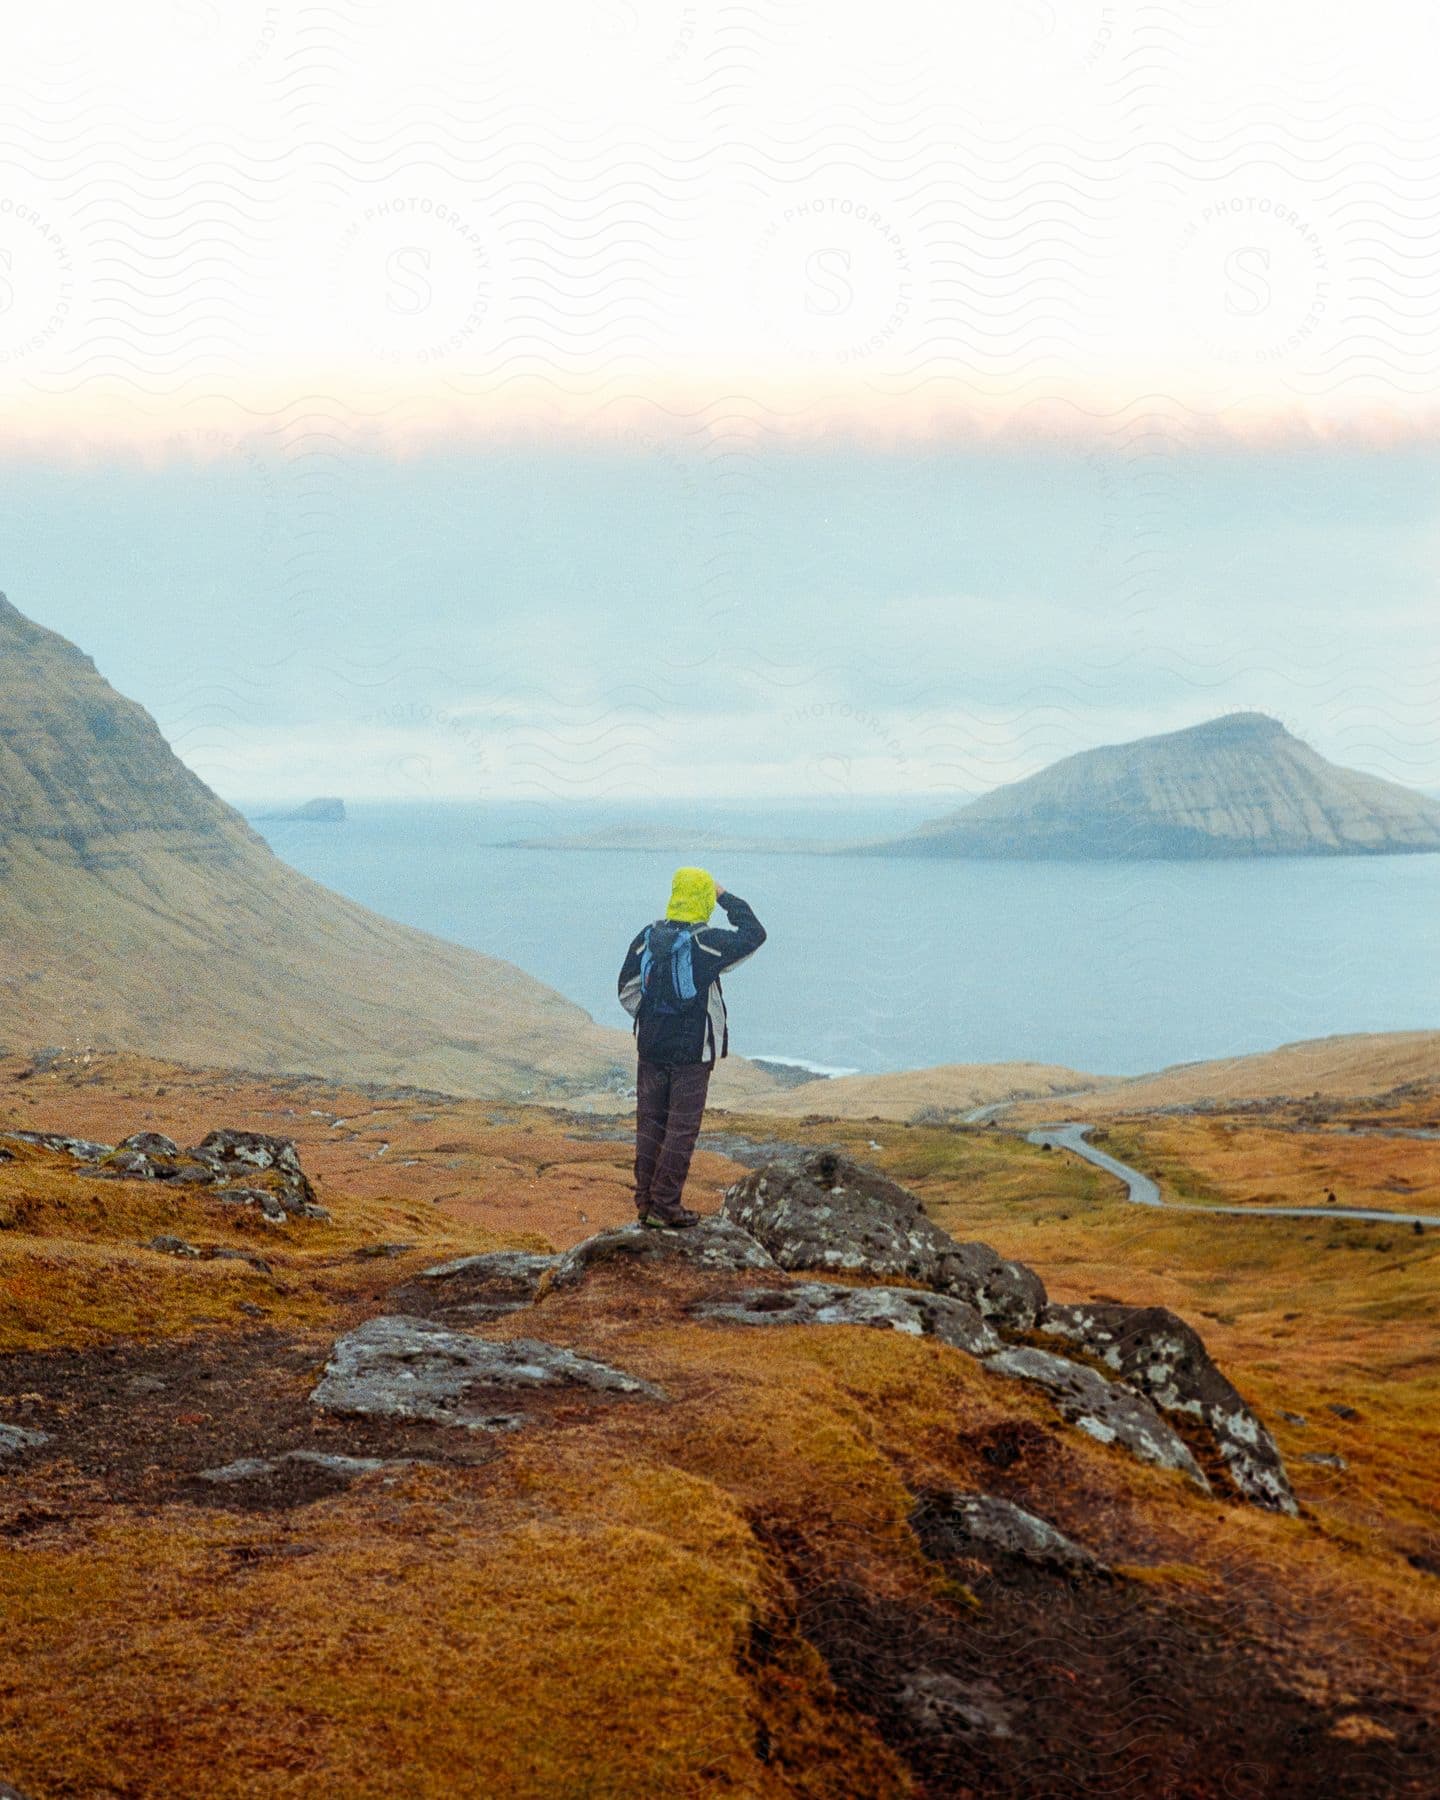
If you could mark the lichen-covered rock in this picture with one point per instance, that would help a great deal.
(1155, 1351)
(1108, 1410)
(17, 1438)
(510, 1270)
(416, 1369)
(149, 1143)
(82, 1149)
(824, 1212)
(910, 1310)
(245, 1153)
(715, 1244)
(1008, 1292)
(950, 1525)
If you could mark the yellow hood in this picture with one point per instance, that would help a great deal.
(692, 897)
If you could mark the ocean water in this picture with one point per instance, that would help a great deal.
(888, 964)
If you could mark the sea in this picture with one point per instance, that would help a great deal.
(878, 964)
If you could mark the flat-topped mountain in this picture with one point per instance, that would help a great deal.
(1240, 785)
(137, 909)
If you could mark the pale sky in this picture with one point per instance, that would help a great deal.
(625, 397)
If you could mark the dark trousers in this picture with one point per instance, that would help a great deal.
(669, 1105)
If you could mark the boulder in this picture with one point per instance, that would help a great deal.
(242, 1153)
(714, 1244)
(149, 1143)
(517, 1271)
(1108, 1410)
(1156, 1352)
(950, 1525)
(910, 1310)
(409, 1368)
(15, 1439)
(823, 1211)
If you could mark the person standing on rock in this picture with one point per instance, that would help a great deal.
(670, 985)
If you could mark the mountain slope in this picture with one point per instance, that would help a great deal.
(1241, 785)
(137, 909)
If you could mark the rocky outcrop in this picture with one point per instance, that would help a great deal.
(1240, 785)
(715, 1244)
(951, 1525)
(1157, 1352)
(244, 1168)
(80, 1148)
(825, 1212)
(16, 1439)
(918, 1314)
(1108, 1410)
(406, 1368)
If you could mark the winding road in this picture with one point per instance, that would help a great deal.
(1145, 1192)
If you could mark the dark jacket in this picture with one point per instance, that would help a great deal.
(700, 1033)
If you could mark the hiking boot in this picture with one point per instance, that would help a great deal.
(678, 1220)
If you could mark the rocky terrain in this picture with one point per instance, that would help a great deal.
(1240, 785)
(362, 1447)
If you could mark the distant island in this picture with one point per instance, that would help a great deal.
(328, 810)
(1237, 786)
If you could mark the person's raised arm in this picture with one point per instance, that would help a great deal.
(744, 938)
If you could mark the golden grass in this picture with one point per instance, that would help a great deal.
(1238, 1160)
(584, 1614)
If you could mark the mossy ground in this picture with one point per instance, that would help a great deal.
(713, 1595)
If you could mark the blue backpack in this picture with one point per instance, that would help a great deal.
(667, 968)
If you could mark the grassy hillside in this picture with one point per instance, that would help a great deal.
(723, 1593)
(137, 909)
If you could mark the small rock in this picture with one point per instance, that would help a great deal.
(943, 1706)
(172, 1246)
(910, 1310)
(715, 1243)
(1326, 1459)
(415, 1369)
(517, 1268)
(1107, 1410)
(371, 1252)
(269, 1205)
(149, 1143)
(1293, 1418)
(951, 1525)
(1341, 1411)
(15, 1439)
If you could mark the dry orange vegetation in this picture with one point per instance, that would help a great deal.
(709, 1595)
(1247, 1159)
